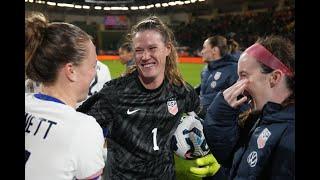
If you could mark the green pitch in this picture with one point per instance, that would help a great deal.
(191, 73)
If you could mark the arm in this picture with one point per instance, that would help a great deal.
(100, 108)
(221, 123)
(221, 130)
(285, 153)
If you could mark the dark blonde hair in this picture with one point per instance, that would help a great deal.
(284, 50)
(154, 23)
(49, 46)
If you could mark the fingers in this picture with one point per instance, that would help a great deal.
(231, 94)
(200, 172)
(239, 102)
(203, 161)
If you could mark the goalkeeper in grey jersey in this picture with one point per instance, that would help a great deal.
(142, 109)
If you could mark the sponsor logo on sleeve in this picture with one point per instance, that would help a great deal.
(252, 159)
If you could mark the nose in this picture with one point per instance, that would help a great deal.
(145, 55)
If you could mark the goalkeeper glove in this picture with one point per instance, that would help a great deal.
(207, 166)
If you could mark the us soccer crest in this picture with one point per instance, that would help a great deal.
(263, 137)
(217, 75)
(172, 106)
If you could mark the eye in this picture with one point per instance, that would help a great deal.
(153, 48)
(139, 51)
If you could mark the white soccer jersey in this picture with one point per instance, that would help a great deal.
(60, 143)
(102, 76)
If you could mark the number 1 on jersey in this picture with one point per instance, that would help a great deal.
(155, 146)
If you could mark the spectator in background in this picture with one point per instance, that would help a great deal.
(220, 72)
(32, 86)
(260, 143)
(142, 109)
(234, 49)
(126, 55)
(60, 143)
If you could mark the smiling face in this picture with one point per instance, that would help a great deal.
(258, 84)
(150, 55)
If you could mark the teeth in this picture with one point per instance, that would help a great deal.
(148, 65)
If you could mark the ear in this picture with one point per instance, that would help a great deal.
(216, 49)
(168, 49)
(275, 78)
(70, 72)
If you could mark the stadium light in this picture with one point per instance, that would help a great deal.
(179, 2)
(165, 4)
(201, 0)
(157, 5)
(142, 7)
(85, 7)
(125, 8)
(41, 2)
(25, 0)
(116, 8)
(150, 6)
(134, 8)
(172, 3)
(65, 5)
(106, 8)
(98, 7)
(77, 6)
(186, 2)
(51, 3)
(193, 1)
(31, 1)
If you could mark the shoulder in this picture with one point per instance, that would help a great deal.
(86, 121)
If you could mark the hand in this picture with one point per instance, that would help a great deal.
(207, 166)
(232, 93)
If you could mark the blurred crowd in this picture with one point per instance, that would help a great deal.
(244, 28)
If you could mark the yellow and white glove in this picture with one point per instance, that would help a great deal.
(206, 166)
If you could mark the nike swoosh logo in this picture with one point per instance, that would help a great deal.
(131, 112)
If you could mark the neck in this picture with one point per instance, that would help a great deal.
(275, 96)
(60, 92)
(151, 83)
(216, 57)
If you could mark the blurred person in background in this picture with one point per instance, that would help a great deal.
(259, 143)
(220, 71)
(142, 109)
(60, 143)
(234, 49)
(126, 56)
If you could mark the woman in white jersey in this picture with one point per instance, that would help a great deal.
(60, 143)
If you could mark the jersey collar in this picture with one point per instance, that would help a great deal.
(47, 98)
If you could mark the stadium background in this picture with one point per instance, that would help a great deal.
(192, 21)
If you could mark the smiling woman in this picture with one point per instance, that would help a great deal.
(142, 109)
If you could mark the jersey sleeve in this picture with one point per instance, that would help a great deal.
(87, 149)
